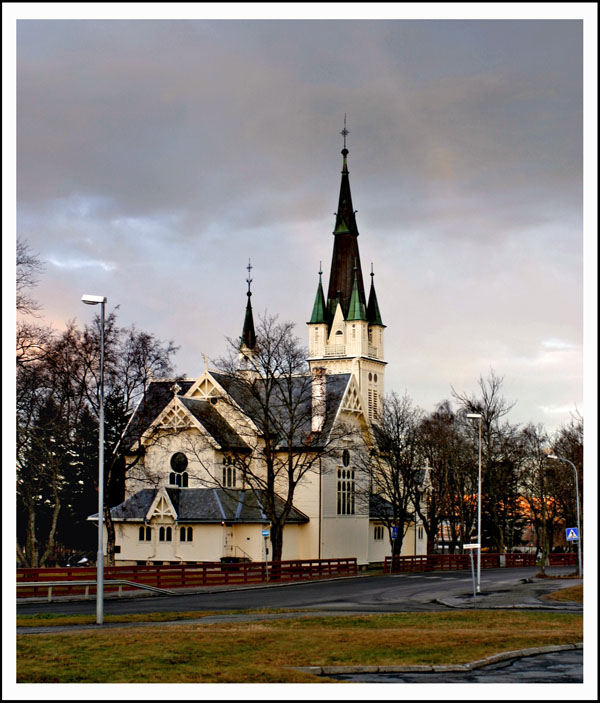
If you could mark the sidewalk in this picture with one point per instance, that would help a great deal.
(523, 594)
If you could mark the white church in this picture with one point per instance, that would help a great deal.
(194, 488)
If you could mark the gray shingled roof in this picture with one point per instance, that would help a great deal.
(249, 400)
(218, 428)
(203, 505)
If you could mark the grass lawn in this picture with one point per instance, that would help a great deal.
(259, 652)
(570, 593)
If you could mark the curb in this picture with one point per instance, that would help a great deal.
(514, 606)
(436, 668)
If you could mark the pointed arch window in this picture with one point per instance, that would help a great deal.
(229, 473)
(345, 492)
(165, 534)
(186, 534)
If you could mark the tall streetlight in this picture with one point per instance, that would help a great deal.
(560, 458)
(100, 300)
(477, 416)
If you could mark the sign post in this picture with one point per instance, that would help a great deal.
(471, 547)
(394, 537)
(265, 534)
(572, 534)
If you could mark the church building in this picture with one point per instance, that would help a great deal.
(202, 482)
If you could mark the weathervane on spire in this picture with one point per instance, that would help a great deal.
(249, 280)
(344, 132)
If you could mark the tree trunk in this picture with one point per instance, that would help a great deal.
(276, 547)
(31, 543)
(21, 556)
(50, 543)
(110, 536)
(55, 511)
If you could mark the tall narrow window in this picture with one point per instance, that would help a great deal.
(145, 533)
(345, 492)
(229, 473)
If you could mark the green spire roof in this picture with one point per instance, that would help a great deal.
(356, 309)
(319, 313)
(373, 314)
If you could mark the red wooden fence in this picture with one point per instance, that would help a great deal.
(186, 575)
(455, 562)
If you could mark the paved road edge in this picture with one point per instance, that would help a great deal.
(423, 669)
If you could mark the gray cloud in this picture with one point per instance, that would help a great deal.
(155, 157)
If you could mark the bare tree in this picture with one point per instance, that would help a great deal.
(452, 477)
(499, 462)
(64, 376)
(568, 444)
(538, 481)
(395, 467)
(29, 266)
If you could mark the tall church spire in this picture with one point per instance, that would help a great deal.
(345, 334)
(248, 339)
(345, 246)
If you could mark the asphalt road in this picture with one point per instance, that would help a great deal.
(368, 594)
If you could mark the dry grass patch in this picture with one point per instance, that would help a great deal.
(570, 593)
(260, 652)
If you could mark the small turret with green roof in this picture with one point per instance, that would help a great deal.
(373, 314)
(356, 308)
(319, 314)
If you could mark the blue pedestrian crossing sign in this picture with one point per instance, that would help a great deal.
(572, 534)
(394, 532)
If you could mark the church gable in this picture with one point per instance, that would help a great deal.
(352, 400)
(161, 507)
(176, 417)
(204, 388)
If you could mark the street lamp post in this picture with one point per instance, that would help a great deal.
(560, 458)
(100, 300)
(477, 416)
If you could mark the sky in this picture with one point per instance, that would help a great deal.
(155, 157)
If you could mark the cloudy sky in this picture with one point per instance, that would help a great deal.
(155, 158)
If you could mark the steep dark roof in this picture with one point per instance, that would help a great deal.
(248, 397)
(156, 397)
(204, 505)
(218, 428)
(373, 314)
(248, 338)
(320, 313)
(345, 251)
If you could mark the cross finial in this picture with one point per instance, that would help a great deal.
(249, 280)
(175, 388)
(344, 132)
(372, 274)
